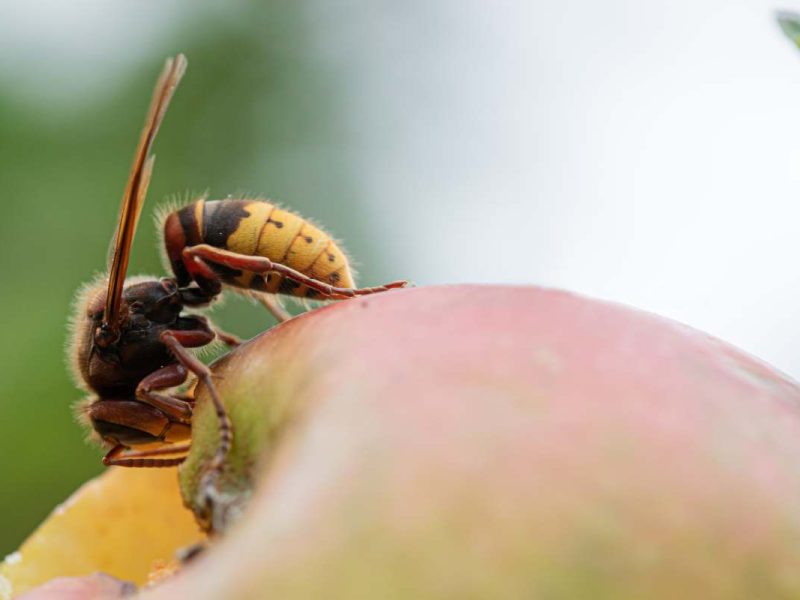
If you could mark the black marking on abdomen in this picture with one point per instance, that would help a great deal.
(288, 286)
(258, 284)
(227, 274)
(189, 224)
(223, 220)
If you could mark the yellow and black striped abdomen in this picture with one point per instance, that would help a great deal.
(258, 228)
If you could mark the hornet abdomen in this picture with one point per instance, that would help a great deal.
(257, 228)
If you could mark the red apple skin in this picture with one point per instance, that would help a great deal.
(501, 442)
(90, 587)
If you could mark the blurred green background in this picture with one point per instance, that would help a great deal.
(257, 112)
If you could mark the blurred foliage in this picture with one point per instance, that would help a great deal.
(790, 24)
(257, 112)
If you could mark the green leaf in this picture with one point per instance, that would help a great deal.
(790, 24)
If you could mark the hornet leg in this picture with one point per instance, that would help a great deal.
(177, 341)
(118, 457)
(271, 304)
(166, 377)
(228, 339)
(195, 258)
(197, 296)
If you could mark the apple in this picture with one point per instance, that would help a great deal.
(497, 442)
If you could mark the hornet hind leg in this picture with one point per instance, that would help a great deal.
(197, 258)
